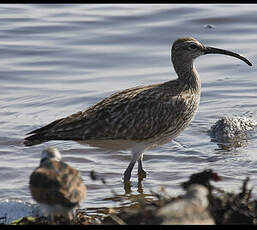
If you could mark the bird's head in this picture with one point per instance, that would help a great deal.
(50, 153)
(188, 48)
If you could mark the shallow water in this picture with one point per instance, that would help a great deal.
(60, 59)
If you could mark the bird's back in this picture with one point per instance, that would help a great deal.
(56, 183)
(136, 114)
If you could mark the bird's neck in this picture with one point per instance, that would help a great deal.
(43, 160)
(188, 74)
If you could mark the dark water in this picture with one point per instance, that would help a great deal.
(59, 59)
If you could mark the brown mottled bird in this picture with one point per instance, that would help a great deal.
(56, 186)
(138, 118)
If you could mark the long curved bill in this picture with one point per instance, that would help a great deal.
(212, 50)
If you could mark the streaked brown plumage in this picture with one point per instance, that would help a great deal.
(138, 118)
(55, 185)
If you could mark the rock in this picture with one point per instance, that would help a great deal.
(208, 26)
(233, 131)
(13, 209)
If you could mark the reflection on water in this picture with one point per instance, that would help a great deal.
(60, 59)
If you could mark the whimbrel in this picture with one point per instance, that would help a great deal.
(56, 186)
(142, 117)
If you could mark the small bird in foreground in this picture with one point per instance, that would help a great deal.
(56, 186)
(138, 118)
(191, 208)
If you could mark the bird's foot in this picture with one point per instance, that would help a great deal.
(127, 187)
(141, 173)
(126, 181)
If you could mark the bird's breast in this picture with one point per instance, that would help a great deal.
(182, 111)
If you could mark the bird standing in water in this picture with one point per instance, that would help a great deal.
(138, 118)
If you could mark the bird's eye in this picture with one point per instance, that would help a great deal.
(193, 46)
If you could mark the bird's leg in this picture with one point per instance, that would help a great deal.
(128, 171)
(135, 156)
(51, 218)
(141, 172)
(71, 215)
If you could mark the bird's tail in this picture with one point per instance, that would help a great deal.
(34, 139)
(40, 135)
